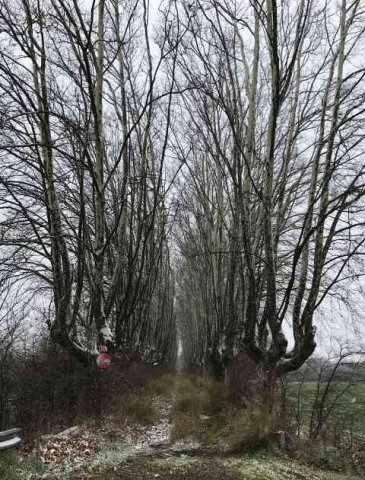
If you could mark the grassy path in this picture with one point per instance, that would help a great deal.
(136, 452)
(148, 467)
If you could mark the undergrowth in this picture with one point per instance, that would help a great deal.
(200, 410)
(139, 408)
(13, 467)
(248, 430)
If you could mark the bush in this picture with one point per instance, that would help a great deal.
(139, 408)
(51, 391)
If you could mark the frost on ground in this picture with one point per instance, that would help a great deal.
(136, 452)
(266, 468)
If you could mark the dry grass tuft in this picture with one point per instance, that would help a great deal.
(139, 408)
(248, 430)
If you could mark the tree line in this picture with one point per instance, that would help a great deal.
(193, 174)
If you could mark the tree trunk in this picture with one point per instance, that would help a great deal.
(266, 389)
(214, 367)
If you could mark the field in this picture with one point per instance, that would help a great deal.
(343, 407)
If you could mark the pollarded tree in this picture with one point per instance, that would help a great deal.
(276, 98)
(83, 176)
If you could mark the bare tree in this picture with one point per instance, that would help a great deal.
(276, 106)
(83, 176)
(13, 312)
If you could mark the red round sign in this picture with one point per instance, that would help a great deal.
(103, 360)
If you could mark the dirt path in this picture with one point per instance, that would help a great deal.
(145, 453)
(169, 466)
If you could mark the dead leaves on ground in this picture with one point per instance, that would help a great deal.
(58, 449)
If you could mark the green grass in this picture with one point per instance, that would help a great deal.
(197, 408)
(275, 468)
(13, 467)
(338, 445)
(348, 407)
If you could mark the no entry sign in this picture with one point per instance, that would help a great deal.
(103, 360)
